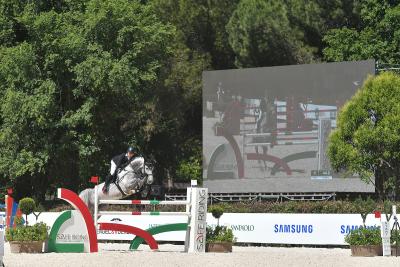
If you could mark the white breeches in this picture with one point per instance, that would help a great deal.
(113, 167)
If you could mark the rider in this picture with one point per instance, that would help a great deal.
(262, 114)
(118, 162)
(267, 119)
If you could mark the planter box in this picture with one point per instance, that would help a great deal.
(366, 251)
(26, 246)
(219, 247)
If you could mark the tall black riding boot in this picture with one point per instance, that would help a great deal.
(107, 183)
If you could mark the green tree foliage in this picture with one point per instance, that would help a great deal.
(338, 13)
(201, 27)
(178, 130)
(200, 44)
(305, 16)
(367, 139)
(189, 169)
(27, 205)
(261, 34)
(315, 18)
(265, 33)
(217, 212)
(79, 81)
(375, 36)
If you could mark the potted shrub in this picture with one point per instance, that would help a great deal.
(217, 212)
(26, 238)
(220, 238)
(365, 242)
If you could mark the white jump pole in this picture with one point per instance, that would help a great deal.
(150, 213)
(144, 202)
(96, 206)
(188, 210)
(385, 235)
(198, 219)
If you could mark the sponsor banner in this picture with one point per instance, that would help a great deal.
(311, 229)
(269, 228)
(71, 230)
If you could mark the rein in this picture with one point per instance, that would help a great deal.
(142, 175)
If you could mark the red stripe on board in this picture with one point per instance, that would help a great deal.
(136, 213)
(132, 230)
(136, 201)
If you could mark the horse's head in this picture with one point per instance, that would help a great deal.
(148, 170)
(136, 177)
(142, 168)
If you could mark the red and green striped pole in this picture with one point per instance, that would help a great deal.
(144, 202)
(150, 213)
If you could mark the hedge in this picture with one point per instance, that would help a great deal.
(262, 207)
(296, 207)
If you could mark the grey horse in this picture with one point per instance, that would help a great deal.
(134, 178)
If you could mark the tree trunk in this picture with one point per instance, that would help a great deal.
(379, 181)
(397, 185)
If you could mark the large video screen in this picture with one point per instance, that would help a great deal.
(266, 129)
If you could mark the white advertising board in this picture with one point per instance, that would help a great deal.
(1, 239)
(268, 228)
(312, 229)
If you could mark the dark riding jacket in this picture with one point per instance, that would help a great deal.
(121, 161)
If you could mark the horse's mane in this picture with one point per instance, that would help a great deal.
(130, 167)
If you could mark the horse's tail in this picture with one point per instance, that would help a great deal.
(85, 196)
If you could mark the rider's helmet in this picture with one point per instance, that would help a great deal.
(130, 152)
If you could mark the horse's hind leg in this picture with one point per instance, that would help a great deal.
(88, 198)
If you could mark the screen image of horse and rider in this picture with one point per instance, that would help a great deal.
(266, 129)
